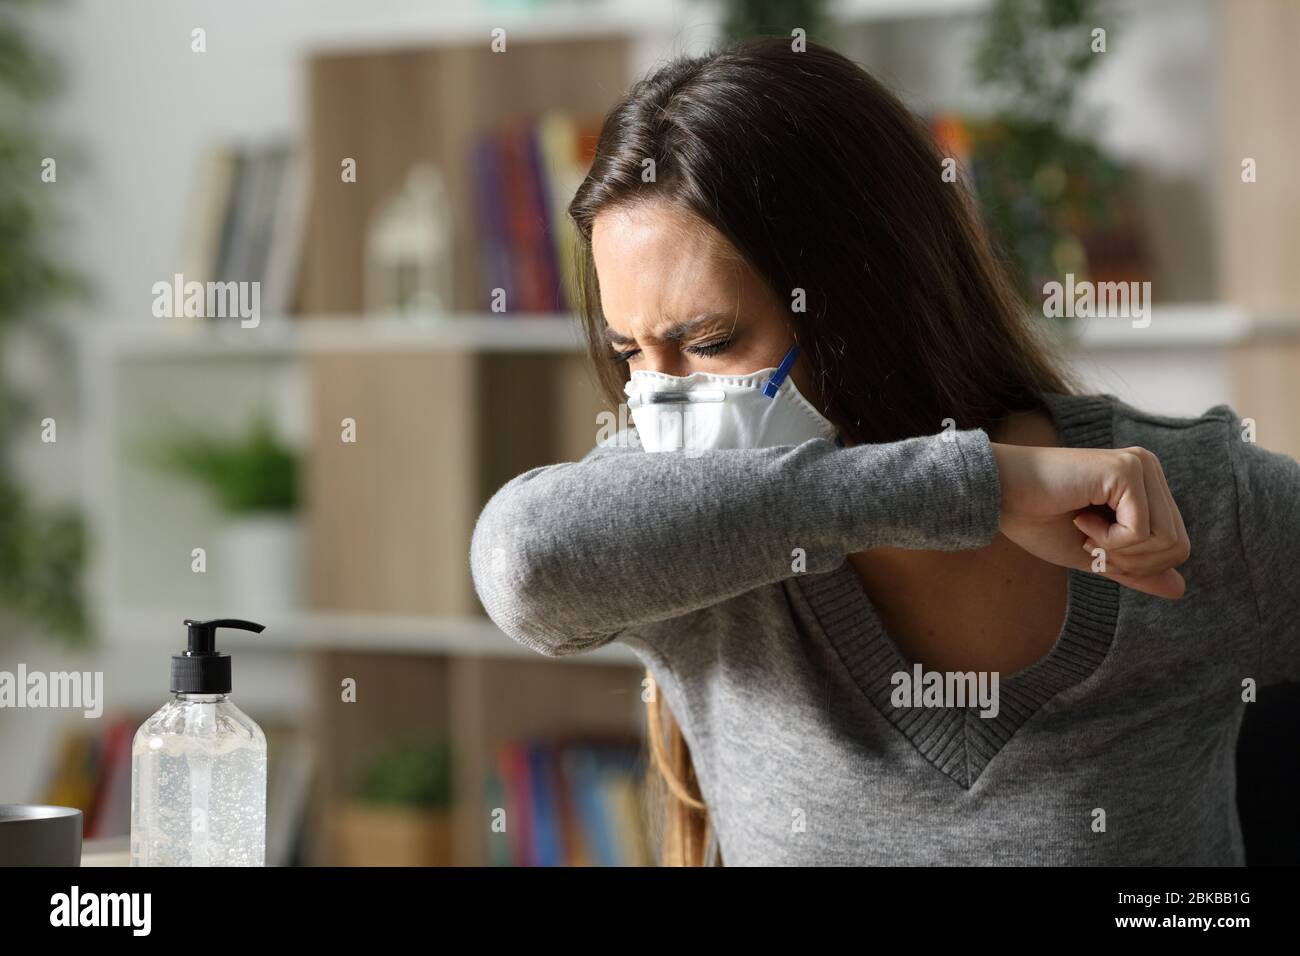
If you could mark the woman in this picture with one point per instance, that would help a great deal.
(904, 594)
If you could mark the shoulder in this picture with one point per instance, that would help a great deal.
(1214, 420)
(1220, 441)
(616, 442)
(624, 439)
(1195, 449)
(1103, 420)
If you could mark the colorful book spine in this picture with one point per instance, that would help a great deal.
(522, 228)
(558, 135)
(517, 779)
(525, 174)
(541, 215)
(570, 802)
(583, 777)
(500, 849)
(493, 230)
(548, 841)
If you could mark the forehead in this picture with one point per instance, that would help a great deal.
(656, 262)
(654, 223)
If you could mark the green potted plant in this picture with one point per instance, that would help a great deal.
(1052, 198)
(252, 479)
(42, 544)
(750, 18)
(400, 813)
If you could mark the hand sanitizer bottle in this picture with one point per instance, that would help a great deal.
(198, 767)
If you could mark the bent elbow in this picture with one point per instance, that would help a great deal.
(512, 560)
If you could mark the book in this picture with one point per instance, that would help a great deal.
(557, 135)
(212, 189)
(499, 846)
(512, 761)
(582, 771)
(524, 174)
(247, 220)
(570, 801)
(524, 232)
(110, 814)
(492, 227)
(548, 840)
(72, 777)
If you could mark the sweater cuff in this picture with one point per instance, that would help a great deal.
(983, 488)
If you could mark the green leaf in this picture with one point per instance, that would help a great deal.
(252, 472)
(412, 774)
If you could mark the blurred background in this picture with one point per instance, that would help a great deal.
(390, 177)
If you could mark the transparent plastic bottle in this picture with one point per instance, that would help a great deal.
(198, 768)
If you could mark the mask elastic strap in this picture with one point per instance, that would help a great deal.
(774, 383)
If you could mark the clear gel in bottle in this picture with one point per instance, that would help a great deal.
(198, 767)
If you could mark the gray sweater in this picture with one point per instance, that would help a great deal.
(1116, 748)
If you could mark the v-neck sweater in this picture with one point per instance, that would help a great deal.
(726, 574)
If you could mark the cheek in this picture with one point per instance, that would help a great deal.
(803, 380)
(758, 351)
(765, 343)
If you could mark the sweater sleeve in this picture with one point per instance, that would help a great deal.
(1268, 508)
(568, 557)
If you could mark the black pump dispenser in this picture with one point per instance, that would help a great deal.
(202, 669)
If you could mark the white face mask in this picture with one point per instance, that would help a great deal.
(701, 411)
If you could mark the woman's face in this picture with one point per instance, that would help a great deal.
(678, 298)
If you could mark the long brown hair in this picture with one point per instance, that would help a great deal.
(824, 182)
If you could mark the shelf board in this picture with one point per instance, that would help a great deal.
(435, 26)
(280, 337)
(1172, 325)
(1180, 325)
(326, 630)
(866, 11)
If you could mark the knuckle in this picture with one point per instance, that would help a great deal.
(1130, 461)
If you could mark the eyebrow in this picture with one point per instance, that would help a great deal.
(674, 333)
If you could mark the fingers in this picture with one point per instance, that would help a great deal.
(1145, 564)
(1093, 525)
(1162, 529)
(1126, 494)
(1125, 491)
(1166, 523)
(1164, 583)
(1176, 532)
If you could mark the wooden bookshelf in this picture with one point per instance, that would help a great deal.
(390, 516)
(391, 110)
(446, 412)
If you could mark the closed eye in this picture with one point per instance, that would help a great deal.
(709, 348)
(704, 351)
